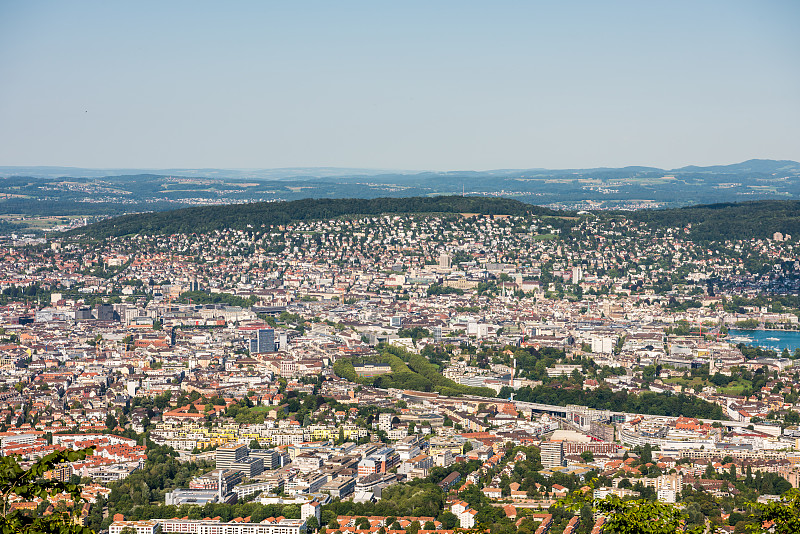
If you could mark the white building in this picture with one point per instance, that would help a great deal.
(140, 527)
(668, 487)
(311, 509)
(603, 344)
(210, 526)
(465, 514)
(385, 421)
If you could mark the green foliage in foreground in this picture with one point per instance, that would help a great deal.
(29, 484)
(785, 514)
(642, 517)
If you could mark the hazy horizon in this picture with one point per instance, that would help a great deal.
(343, 171)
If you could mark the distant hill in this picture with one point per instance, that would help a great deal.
(314, 173)
(233, 174)
(713, 222)
(255, 215)
(752, 165)
(34, 196)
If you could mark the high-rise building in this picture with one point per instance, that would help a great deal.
(236, 457)
(385, 421)
(271, 458)
(227, 455)
(444, 260)
(552, 454)
(577, 274)
(264, 341)
(105, 312)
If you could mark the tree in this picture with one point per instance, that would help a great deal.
(709, 470)
(784, 513)
(29, 484)
(587, 456)
(641, 517)
(254, 444)
(111, 423)
(647, 454)
(449, 520)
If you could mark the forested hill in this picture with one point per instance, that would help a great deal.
(717, 222)
(255, 215)
(757, 219)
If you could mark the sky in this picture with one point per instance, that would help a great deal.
(434, 85)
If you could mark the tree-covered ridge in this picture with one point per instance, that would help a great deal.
(264, 214)
(713, 222)
(717, 222)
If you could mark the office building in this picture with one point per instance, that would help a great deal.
(263, 342)
(437, 334)
(227, 455)
(105, 312)
(339, 487)
(552, 454)
(272, 459)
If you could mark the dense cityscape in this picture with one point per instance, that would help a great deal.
(401, 374)
(399, 267)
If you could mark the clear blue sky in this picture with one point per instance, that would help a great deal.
(398, 85)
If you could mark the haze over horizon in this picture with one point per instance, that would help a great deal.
(451, 86)
(321, 172)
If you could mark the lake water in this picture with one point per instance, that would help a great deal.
(776, 340)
